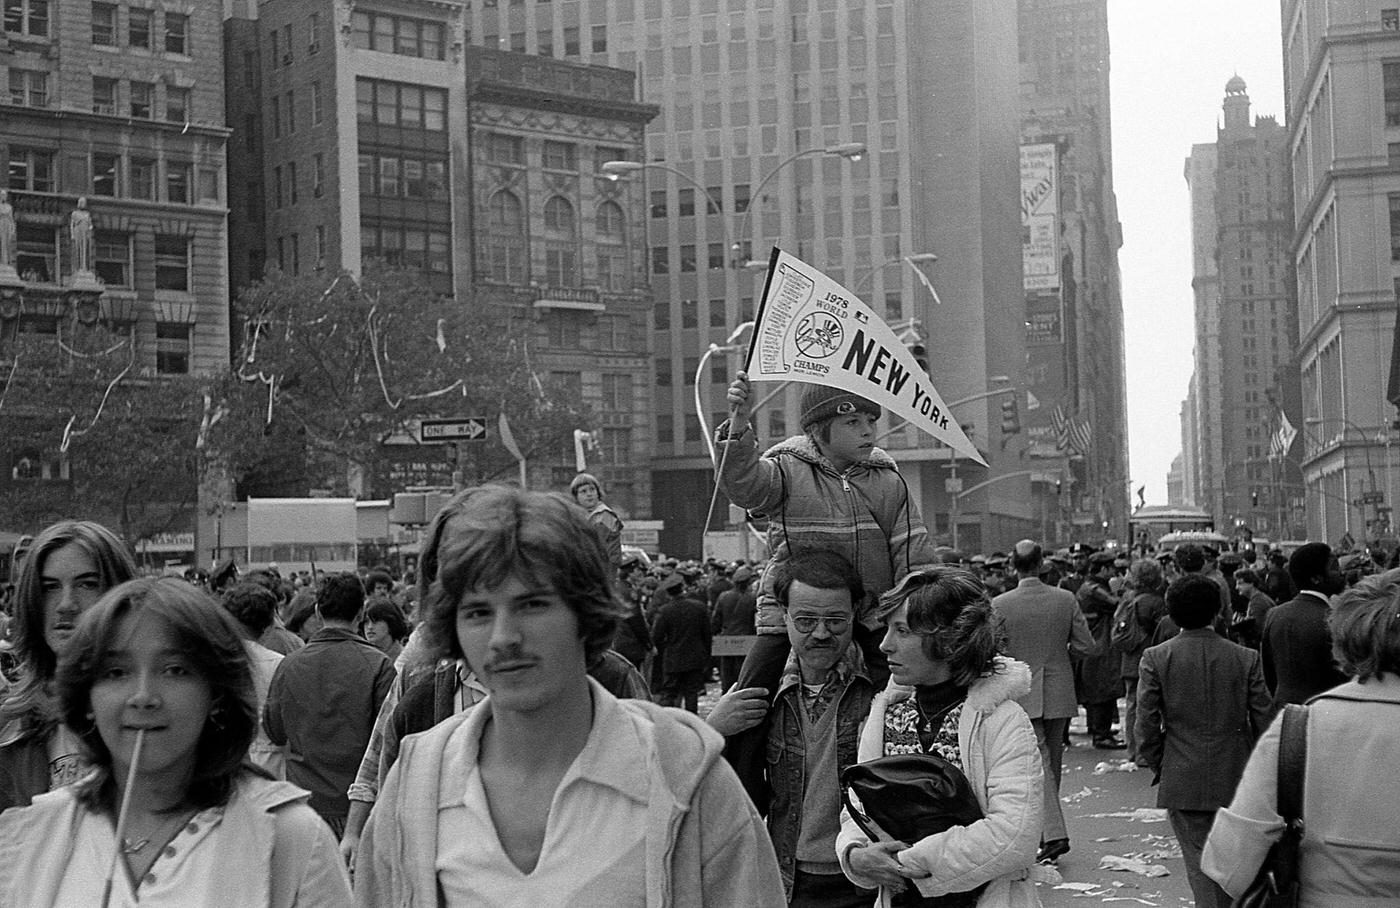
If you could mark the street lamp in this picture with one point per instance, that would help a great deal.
(1374, 488)
(914, 259)
(615, 170)
(731, 345)
(851, 151)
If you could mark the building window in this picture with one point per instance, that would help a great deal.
(559, 218)
(143, 179)
(505, 240)
(661, 315)
(561, 267)
(141, 95)
(292, 183)
(617, 446)
(277, 186)
(571, 48)
(318, 174)
(660, 260)
(177, 184)
(31, 169)
(389, 177)
(313, 33)
(685, 203)
(27, 17)
(29, 88)
(396, 104)
(138, 28)
(715, 256)
(400, 35)
(276, 46)
(177, 104)
(104, 95)
(320, 247)
(1390, 81)
(36, 253)
(560, 156)
(600, 39)
(104, 24)
(290, 109)
(172, 348)
(503, 149)
(717, 319)
(565, 331)
(1390, 19)
(172, 262)
(113, 258)
(690, 313)
(663, 373)
(665, 428)
(687, 258)
(177, 33)
(544, 42)
(317, 111)
(104, 174)
(276, 118)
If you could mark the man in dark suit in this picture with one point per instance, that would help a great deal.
(1296, 645)
(681, 636)
(1201, 705)
(1044, 625)
(1099, 674)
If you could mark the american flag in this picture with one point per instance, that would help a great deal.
(1282, 440)
(1081, 436)
(1060, 424)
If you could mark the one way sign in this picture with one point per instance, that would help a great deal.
(468, 428)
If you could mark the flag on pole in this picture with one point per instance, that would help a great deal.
(1060, 424)
(923, 279)
(508, 439)
(811, 329)
(1081, 435)
(583, 441)
(1283, 438)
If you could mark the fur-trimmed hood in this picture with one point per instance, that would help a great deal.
(1008, 680)
(803, 447)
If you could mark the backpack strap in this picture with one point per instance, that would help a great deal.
(1292, 760)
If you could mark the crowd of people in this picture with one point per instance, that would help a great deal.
(518, 722)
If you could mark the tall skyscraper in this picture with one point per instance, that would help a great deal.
(853, 136)
(1345, 157)
(1073, 292)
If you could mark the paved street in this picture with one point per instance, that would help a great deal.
(1114, 813)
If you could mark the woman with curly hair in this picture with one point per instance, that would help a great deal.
(953, 693)
(156, 685)
(71, 564)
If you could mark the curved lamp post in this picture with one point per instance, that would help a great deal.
(851, 151)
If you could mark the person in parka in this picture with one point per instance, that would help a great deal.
(588, 492)
(830, 488)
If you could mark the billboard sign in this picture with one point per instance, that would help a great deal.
(1040, 216)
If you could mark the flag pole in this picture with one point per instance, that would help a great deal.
(734, 408)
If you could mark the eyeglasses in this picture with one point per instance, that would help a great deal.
(805, 624)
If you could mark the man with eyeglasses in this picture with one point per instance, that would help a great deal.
(811, 726)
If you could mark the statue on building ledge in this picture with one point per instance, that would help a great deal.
(80, 230)
(9, 243)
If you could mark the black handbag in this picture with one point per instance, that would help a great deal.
(1276, 885)
(911, 797)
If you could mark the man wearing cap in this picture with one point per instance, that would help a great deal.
(588, 492)
(1044, 627)
(681, 636)
(1099, 676)
(734, 614)
(829, 488)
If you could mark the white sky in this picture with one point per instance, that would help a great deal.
(1169, 63)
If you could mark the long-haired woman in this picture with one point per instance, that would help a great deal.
(156, 685)
(71, 564)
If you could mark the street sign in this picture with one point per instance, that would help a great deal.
(467, 428)
(953, 485)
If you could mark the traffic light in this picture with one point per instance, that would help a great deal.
(1010, 416)
(1254, 498)
(918, 349)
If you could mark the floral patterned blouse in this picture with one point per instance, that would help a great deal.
(907, 732)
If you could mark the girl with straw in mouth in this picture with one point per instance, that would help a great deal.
(156, 685)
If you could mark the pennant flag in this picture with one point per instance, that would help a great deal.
(1283, 438)
(583, 441)
(923, 279)
(811, 329)
(508, 439)
(1032, 402)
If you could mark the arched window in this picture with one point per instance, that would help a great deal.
(611, 223)
(559, 218)
(505, 213)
